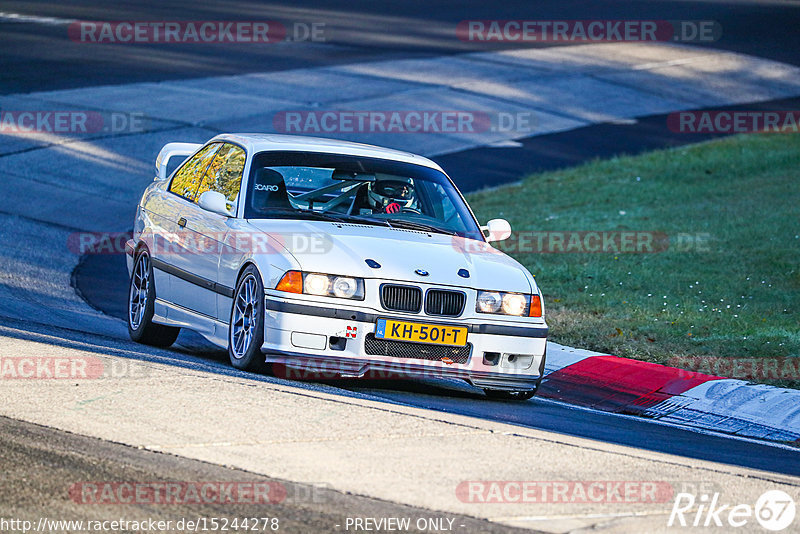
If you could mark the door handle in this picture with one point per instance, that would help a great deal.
(181, 222)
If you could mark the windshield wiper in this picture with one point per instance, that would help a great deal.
(413, 225)
(327, 216)
(320, 215)
(369, 220)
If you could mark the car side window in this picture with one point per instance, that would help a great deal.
(225, 174)
(188, 178)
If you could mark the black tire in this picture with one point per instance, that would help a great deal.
(245, 352)
(499, 394)
(141, 327)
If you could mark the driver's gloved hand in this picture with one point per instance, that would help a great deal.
(394, 207)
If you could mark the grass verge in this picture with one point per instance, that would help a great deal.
(720, 292)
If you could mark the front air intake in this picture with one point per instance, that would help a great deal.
(444, 303)
(401, 298)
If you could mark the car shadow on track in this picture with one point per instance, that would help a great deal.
(191, 351)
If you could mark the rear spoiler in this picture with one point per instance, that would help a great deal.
(171, 150)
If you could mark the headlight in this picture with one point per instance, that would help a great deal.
(344, 287)
(322, 285)
(316, 284)
(489, 301)
(516, 304)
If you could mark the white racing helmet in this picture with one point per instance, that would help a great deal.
(397, 190)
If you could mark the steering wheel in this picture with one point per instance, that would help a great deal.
(412, 210)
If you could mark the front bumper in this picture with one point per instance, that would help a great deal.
(316, 341)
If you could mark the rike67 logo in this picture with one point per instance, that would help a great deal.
(774, 510)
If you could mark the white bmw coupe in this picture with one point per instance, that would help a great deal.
(344, 257)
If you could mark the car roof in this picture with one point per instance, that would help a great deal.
(259, 142)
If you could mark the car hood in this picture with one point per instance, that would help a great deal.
(343, 248)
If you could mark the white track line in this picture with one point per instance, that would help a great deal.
(34, 19)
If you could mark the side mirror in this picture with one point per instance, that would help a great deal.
(497, 230)
(215, 202)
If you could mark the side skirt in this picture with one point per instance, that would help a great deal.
(209, 327)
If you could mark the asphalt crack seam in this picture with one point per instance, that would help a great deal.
(318, 440)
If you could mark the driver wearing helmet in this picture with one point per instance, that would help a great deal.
(392, 195)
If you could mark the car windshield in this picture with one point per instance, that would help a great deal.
(336, 187)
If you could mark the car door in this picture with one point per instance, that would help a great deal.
(206, 230)
(171, 251)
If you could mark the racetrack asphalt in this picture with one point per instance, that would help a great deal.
(173, 401)
(53, 474)
(39, 57)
